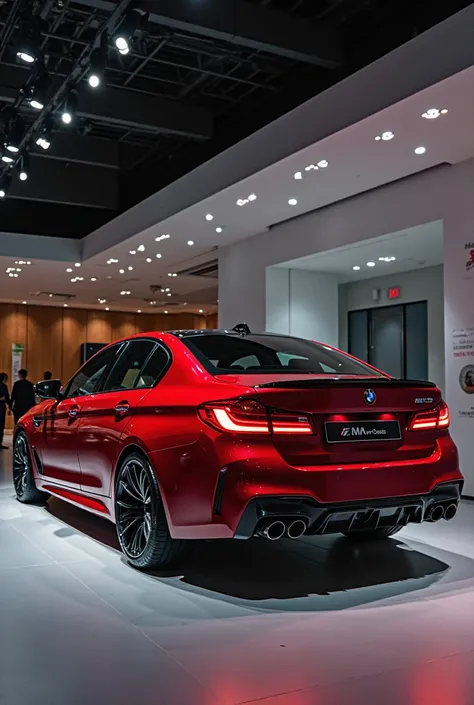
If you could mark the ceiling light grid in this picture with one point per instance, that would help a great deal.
(322, 164)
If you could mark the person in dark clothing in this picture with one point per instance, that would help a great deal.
(47, 376)
(4, 404)
(23, 396)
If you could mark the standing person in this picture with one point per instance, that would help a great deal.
(23, 395)
(4, 404)
(47, 376)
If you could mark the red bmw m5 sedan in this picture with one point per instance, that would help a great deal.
(228, 434)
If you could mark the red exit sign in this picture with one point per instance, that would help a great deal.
(394, 292)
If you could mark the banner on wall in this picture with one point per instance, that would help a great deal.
(17, 359)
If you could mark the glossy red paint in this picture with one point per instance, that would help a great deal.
(79, 453)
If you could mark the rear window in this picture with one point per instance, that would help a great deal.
(230, 354)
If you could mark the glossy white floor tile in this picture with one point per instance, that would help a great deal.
(318, 621)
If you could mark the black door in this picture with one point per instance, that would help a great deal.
(392, 338)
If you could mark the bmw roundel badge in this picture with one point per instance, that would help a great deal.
(369, 396)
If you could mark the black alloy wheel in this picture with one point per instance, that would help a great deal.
(23, 480)
(142, 527)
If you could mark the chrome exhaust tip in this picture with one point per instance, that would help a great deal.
(272, 531)
(436, 513)
(296, 529)
(450, 512)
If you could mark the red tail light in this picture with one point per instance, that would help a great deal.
(249, 416)
(437, 419)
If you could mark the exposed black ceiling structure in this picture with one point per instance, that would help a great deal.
(199, 77)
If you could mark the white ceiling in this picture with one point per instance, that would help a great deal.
(414, 248)
(357, 163)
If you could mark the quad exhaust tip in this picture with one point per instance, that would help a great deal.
(273, 531)
(296, 529)
(450, 512)
(436, 513)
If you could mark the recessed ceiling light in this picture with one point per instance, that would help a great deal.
(323, 163)
(141, 248)
(107, 308)
(169, 294)
(133, 252)
(434, 113)
(371, 264)
(209, 217)
(420, 150)
(139, 310)
(23, 302)
(69, 270)
(149, 259)
(292, 202)
(190, 243)
(165, 311)
(130, 269)
(93, 279)
(252, 197)
(159, 256)
(201, 311)
(121, 271)
(385, 136)
(298, 176)
(77, 264)
(311, 167)
(50, 296)
(167, 289)
(356, 268)
(162, 237)
(218, 230)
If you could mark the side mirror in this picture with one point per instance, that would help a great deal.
(48, 389)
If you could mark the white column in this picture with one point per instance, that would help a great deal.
(459, 334)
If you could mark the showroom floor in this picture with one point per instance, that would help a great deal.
(312, 622)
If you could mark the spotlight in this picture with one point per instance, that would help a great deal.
(5, 185)
(98, 63)
(37, 92)
(126, 31)
(45, 136)
(14, 135)
(69, 108)
(24, 166)
(28, 48)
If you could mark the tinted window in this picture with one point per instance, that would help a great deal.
(154, 368)
(224, 353)
(125, 373)
(92, 375)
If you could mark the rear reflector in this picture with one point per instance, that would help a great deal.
(438, 419)
(249, 416)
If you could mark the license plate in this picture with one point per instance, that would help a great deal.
(357, 431)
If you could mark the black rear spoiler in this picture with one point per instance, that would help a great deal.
(347, 382)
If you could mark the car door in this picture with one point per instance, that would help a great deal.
(55, 435)
(105, 415)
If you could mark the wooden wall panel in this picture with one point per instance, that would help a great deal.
(44, 342)
(122, 325)
(74, 334)
(99, 329)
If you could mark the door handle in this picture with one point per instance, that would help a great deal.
(122, 408)
(72, 413)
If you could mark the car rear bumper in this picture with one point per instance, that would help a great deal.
(346, 516)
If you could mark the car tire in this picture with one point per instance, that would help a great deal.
(23, 480)
(373, 534)
(141, 523)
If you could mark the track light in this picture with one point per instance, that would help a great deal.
(23, 166)
(69, 109)
(45, 136)
(126, 31)
(28, 48)
(37, 92)
(98, 63)
(14, 134)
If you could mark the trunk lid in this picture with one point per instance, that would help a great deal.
(348, 429)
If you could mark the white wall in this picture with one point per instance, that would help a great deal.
(302, 303)
(420, 285)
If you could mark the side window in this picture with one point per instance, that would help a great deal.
(91, 376)
(126, 372)
(154, 368)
